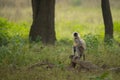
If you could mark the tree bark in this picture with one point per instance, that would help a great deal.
(43, 21)
(107, 20)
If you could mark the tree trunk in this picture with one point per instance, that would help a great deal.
(43, 21)
(107, 20)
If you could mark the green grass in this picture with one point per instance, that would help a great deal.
(16, 58)
(19, 54)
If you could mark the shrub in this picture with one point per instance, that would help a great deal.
(13, 54)
(91, 41)
(9, 30)
(4, 25)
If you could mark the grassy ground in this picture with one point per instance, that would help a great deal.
(18, 54)
(16, 58)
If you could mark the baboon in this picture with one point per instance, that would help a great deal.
(79, 45)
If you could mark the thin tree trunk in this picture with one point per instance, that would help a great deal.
(107, 20)
(43, 21)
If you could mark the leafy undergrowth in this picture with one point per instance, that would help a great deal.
(10, 31)
(15, 58)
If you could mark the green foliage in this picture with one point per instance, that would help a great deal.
(19, 29)
(117, 30)
(4, 26)
(92, 41)
(8, 57)
(9, 30)
(14, 54)
(20, 54)
(117, 27)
